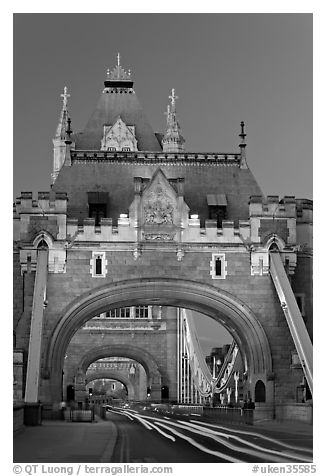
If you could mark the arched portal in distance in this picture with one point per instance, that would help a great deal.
(111, 374)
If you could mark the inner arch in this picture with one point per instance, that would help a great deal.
(225, 308)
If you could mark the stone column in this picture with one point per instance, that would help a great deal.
(80, 387)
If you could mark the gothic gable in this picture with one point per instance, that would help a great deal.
(157, 208)
(159, 201)
(119, 137)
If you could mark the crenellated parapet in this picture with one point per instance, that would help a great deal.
(304, 212)
(227, 234)
(46, 214)
(105, 232)
(273, 225)
(47, 202)
(272, 216)
(41, 222)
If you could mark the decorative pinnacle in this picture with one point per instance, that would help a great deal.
(68, 131)
(65, 96)
(242, 135)
(118, 73)
(167, 113)
(173, 97)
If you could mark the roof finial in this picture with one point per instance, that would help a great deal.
(118, 74)
(172, 140)
(168, 113)
(173, 97)
(242, 146)
(68, 131)
(242, 135)
(65, 96)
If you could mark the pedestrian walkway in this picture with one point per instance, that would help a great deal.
(65, 442)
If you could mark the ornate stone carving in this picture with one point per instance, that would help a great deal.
(119, 137)
(159, 236)
(158, 208)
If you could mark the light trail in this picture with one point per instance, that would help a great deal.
(257, 435)
(200, 446)
(262, 449)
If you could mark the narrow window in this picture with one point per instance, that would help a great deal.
(98, 265)
(218, 267)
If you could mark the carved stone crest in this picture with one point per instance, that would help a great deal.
(158, 209)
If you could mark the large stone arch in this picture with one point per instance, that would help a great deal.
(154, 375)
(114, 375)
(222, 306)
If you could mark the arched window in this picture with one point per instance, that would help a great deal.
(260, 392)
(42, 245)
(274, 247)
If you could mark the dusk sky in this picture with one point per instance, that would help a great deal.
(225, 68)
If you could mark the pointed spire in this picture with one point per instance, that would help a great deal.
(243, 145)
(172, 140)
(62, 140)
(61, 129)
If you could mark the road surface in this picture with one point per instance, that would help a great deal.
(138, 436)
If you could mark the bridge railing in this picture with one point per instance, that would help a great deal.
(229, 415)
(79, 415)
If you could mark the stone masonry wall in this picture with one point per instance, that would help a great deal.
(256, 291)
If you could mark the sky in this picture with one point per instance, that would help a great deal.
(225, 68)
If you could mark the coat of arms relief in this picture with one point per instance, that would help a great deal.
(159, 210)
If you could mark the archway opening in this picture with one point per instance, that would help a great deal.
(260, 392)
(220, 306)
(127, 324)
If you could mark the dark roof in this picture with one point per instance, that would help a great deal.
(113, 103)
(117, 179)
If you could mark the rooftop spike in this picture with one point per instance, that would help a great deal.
(243, 145)
(68, 131)
(61, 128)
(242, 134)
(172, 140)
(65, 97)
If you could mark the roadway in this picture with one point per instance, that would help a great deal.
(136, 436)
(146, 437)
